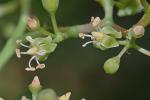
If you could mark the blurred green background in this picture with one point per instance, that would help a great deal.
(76, 69)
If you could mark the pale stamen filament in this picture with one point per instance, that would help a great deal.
(39, 66)
(24, 45)
(24, 53)
(32, 58)
(37, 61)
(89, 42)
(90, 36)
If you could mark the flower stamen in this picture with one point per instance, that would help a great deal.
(89, 42)
(82, 35)
(39, 66)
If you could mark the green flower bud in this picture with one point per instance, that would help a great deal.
(111, 66)
(50, 5)
(35, 86)
(47, 94)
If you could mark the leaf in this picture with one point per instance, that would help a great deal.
(111, 66)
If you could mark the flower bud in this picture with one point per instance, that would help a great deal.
(47, 94)
(111, 66)
(35, 86)
(33, 23)
(65, 97)
(50, 5)
(138, 31)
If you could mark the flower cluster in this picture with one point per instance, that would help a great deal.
(103, 37)
(39, 49)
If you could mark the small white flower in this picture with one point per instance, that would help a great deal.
(34, 51)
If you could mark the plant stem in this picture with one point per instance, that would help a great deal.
(145, 20)
(108, 8)
(144, 4)
(123, 51)
(44, 32)
(124, 42)
(142, 50)
(10, 46)
(33, 97)
(54, 23)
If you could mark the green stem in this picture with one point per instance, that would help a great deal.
(142, 50)
(8, 49)
(54, 23)
(145, 20)
(144, 4)
(108, 8)
(44, 32)
(123, 51)
(124, 42)
(33, 97)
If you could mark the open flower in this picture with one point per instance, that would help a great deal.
(39, 49)
(103, 37)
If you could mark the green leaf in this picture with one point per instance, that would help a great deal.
(112, 32)
(128, 7)
(109, 42)
(47, 94)
(111, 66)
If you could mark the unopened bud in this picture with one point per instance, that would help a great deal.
(50, 5)
(65, 97)
(33, 23)
(111, 66)
(138, 31)
(35, 86)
